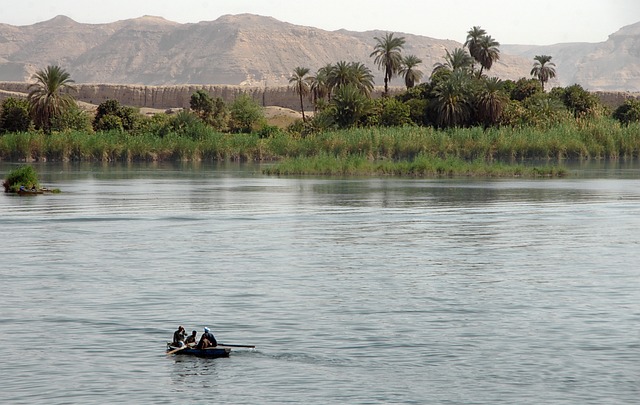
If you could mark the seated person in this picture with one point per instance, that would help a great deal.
(207, 340)
(178, 337)
(191, 339)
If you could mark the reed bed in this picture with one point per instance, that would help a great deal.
(592, 139)
(420, 166)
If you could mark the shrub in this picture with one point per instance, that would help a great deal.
(524, 88)
(393, 112)
(245, 114)
(72, 119)
(14, 115)
(129, 116)
(628, 112)
(22, 176)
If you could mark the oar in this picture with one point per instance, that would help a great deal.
(226, 345)
(177, 350)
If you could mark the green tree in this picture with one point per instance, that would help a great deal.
(319, 84)
(491, 101)
(453, 100)
(14, 115)
(245, 113)
(361, 77)
(487, 53)
(412, 75)
(73, 118)
(628, 112)
(202, 104)
(301, 85)
(128, 117)
(473, 40)
(46, 96)
(579, 101)
(459, 59)
(525, 88)
(543, 69)
(388, 56)
(350, 105)
(354, 73)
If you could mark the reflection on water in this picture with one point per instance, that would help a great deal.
(355, 290)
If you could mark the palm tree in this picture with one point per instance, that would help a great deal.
(319, 84)
(491, 101)
(361, 77)
(301, 85)
(46, 98)
(453, 100)
(473, 40)
(487, 53)
(408, 70)
(459, 59)
(388, 56)
(543, 69)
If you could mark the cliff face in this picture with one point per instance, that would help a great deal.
(241, 49)
(260, 51)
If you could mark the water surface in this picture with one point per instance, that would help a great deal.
(355, 290)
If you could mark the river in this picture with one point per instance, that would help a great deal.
(354, 290)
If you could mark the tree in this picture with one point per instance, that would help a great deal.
(319, 84)
(491, 101)
(453, 100)
(525, 88)
(409, 70)
(628, 112)
(108, 110)
(388, 57)
(350, 105)
(361, 77)
(459, 59)
(473, 40)
(579, 101)
(487, 53)
(14, 115)
(245, 113)
(46, 97)
(301, 85)
(202, 104)
(354, 73)
(543, 69)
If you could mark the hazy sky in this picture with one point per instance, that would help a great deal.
(541, 22)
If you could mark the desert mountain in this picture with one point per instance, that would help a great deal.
(256, 50)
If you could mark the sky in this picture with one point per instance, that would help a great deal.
(540, 22)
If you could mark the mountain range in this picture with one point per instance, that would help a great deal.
(262, 51)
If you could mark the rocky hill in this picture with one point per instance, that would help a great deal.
(261, 51)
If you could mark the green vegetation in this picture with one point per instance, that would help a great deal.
(22, 176)
(543, 69)
(47, 99)
(420, 166)
(458, 115)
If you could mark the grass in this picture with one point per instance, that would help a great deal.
(420, 166)
(601, 138)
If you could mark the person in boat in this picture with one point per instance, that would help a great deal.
(178, 337)
(191, 339)
(207, 339)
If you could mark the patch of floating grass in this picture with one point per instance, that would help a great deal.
(421, 166)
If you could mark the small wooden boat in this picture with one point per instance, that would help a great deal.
(209, 352)
(25, 191)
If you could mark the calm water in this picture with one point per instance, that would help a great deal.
(356, 291)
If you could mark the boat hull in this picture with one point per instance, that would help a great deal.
(209, 353)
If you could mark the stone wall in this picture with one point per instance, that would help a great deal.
(164, 97)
